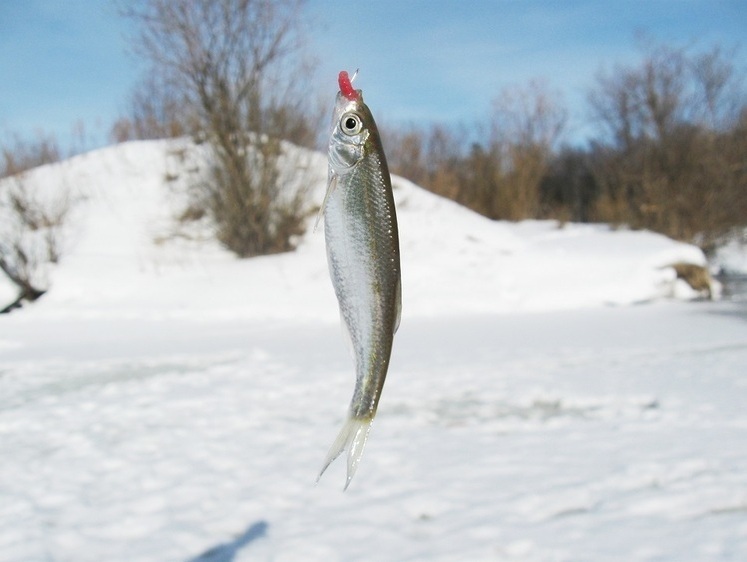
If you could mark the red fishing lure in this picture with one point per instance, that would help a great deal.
(346, 86)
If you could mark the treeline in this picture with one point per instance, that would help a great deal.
(670, 154)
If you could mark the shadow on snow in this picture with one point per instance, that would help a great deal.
(227, 552)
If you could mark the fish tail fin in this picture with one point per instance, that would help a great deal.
(352, 437)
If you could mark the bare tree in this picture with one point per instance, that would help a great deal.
(496, 168)
(18, 154)
(30, 225)
(671, 161)
(234, 65)
(529, 115)
(525, 127)
(429, 156)
(156, 110)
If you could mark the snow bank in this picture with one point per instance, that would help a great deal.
(124, 257)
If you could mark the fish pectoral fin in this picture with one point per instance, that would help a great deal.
(352, 437)
(331, 185)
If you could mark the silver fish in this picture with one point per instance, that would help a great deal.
(360, 227)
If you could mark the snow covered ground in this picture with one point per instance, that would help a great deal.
(548, 398)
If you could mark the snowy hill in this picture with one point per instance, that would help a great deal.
(165, 401)
(120, 256)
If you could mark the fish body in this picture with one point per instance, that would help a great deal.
(360, 228)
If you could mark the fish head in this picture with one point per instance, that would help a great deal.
(353, 136)
(352, 126)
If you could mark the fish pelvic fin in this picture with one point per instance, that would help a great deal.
(352, 437)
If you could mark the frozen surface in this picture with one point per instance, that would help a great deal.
(166, 402)
(604, 434)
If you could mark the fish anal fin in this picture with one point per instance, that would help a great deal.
(397, 307)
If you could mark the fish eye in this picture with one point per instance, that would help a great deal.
(351, 124)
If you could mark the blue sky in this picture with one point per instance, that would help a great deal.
(65, 62)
